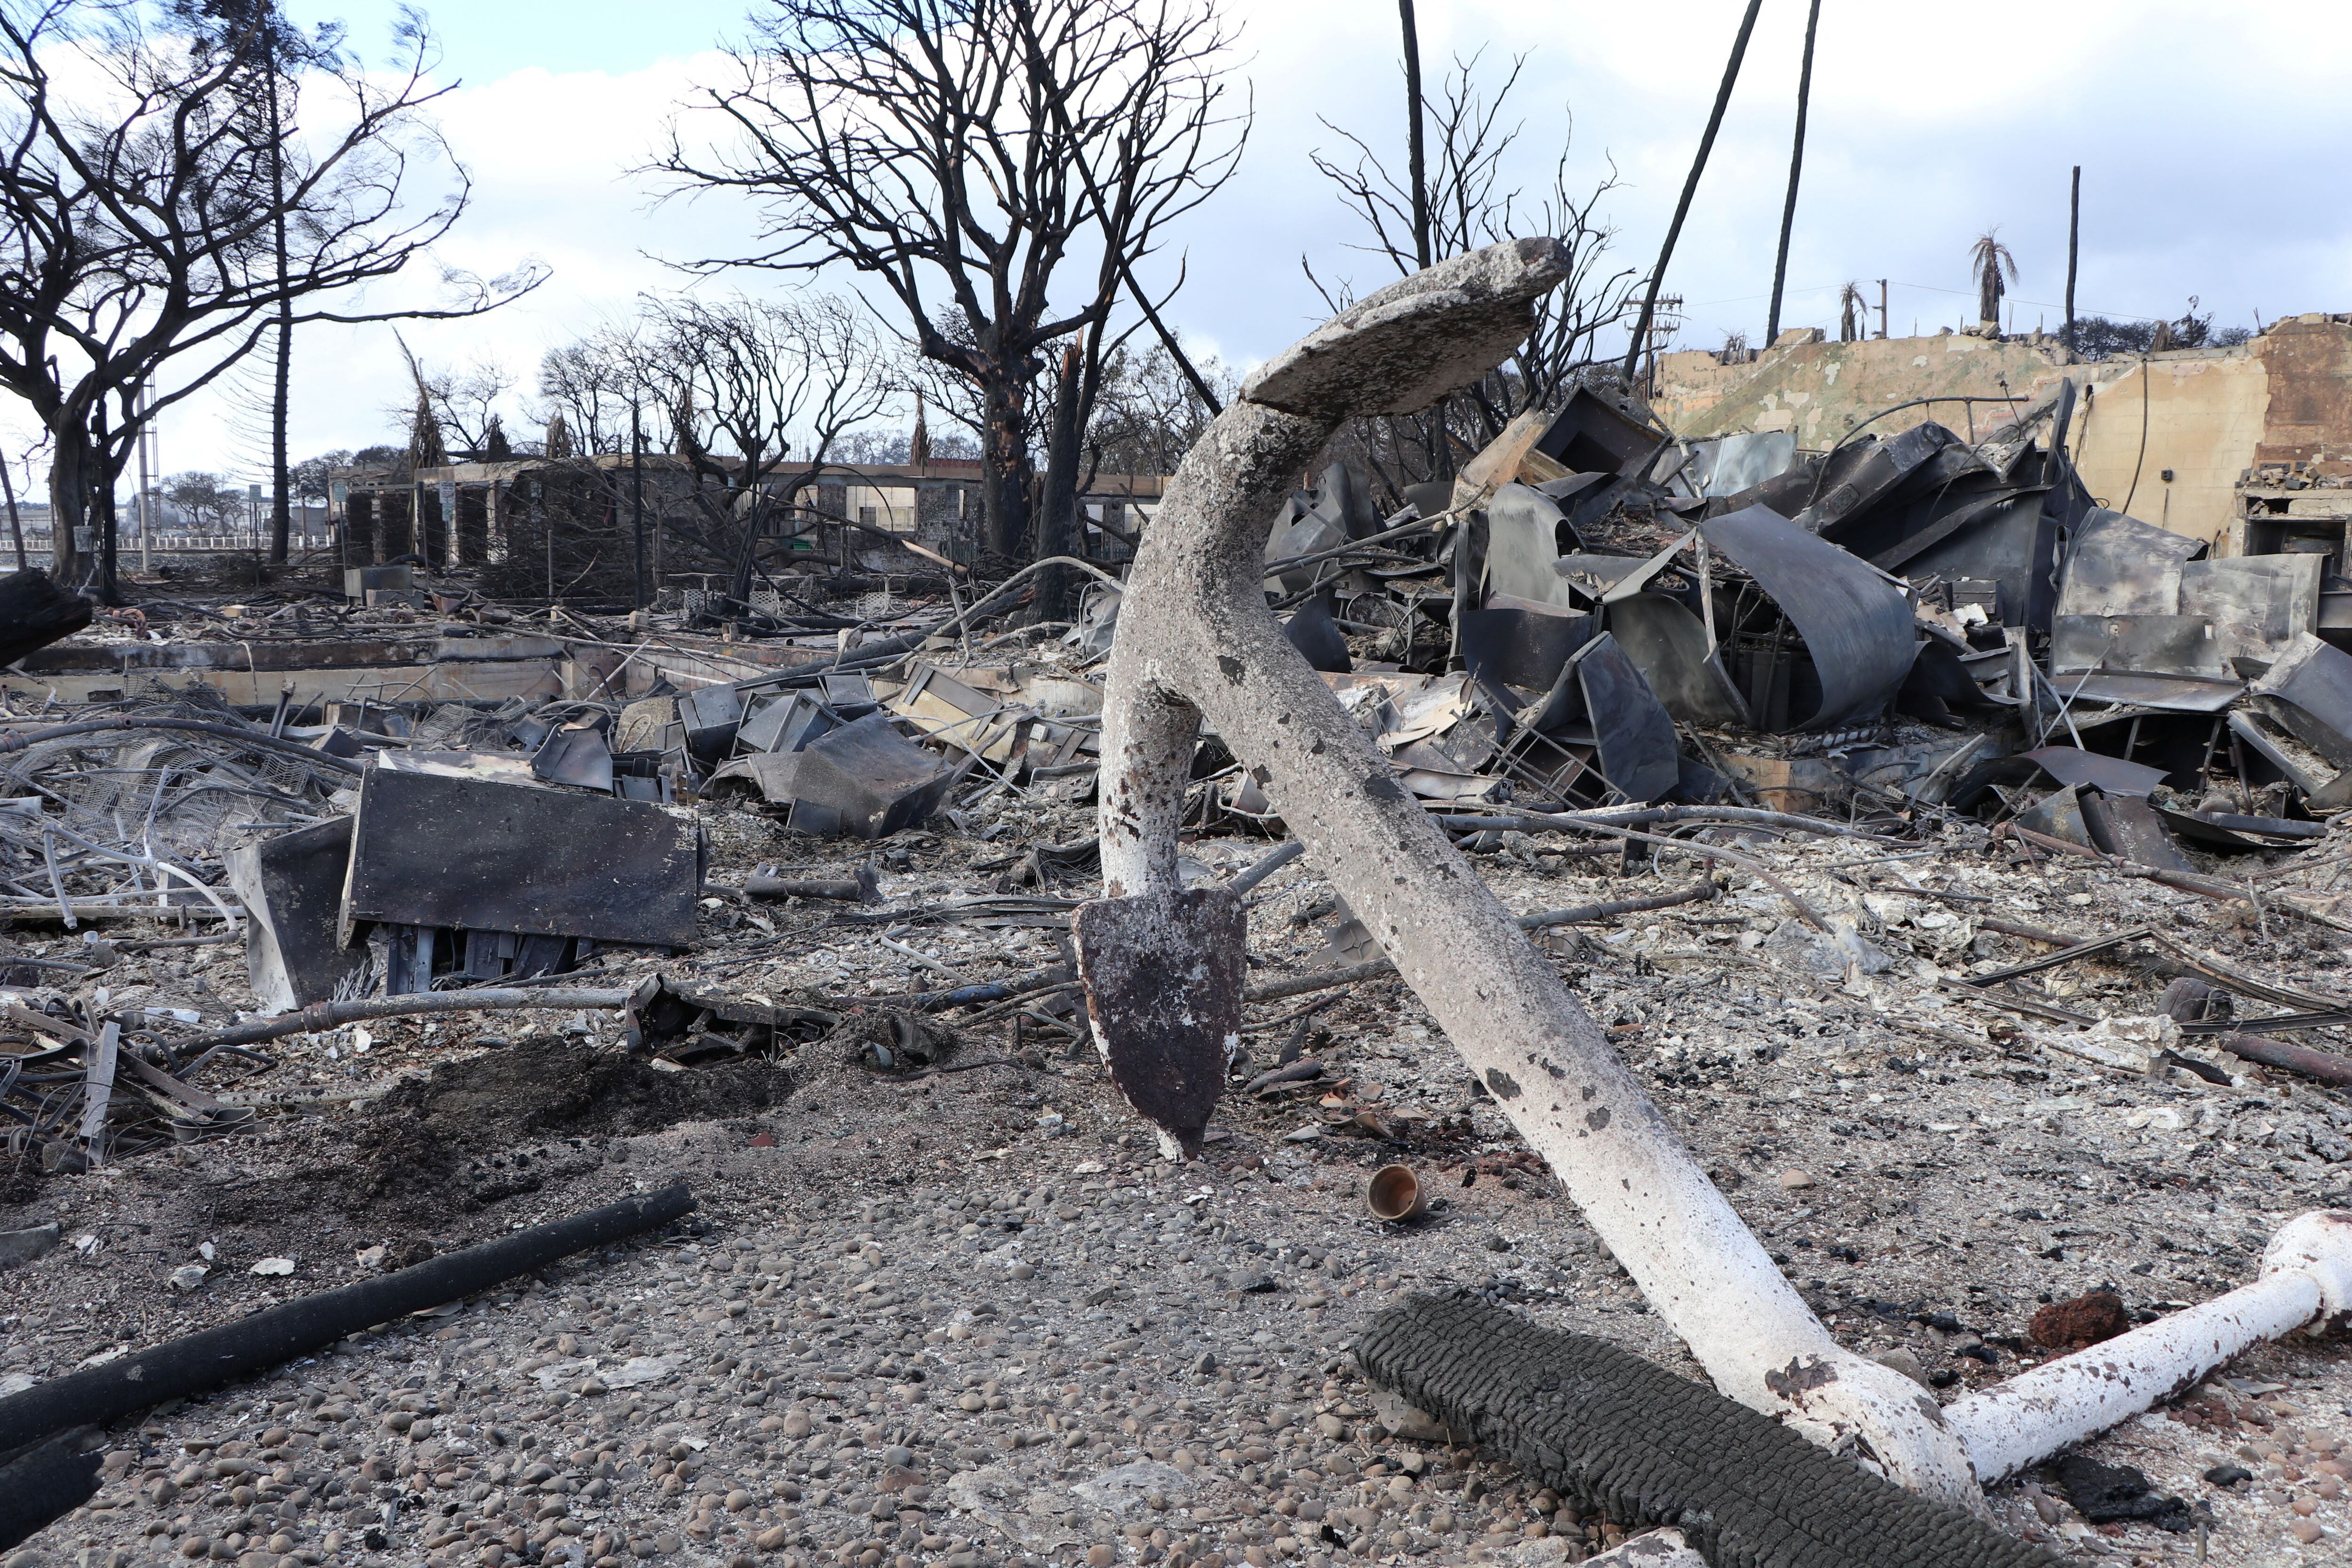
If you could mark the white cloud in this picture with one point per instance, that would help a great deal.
(2206, 135)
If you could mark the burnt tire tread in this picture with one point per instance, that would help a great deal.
(1610, 1431)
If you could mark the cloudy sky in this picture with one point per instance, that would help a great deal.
(2205, 134)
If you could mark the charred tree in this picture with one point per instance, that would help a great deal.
(956, 151)
(141, 198)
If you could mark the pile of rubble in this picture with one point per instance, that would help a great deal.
(1918, 837)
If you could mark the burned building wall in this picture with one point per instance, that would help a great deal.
(2207, 418)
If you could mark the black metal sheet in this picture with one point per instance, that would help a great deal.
(1525, 648)
(575, 755)
(712, 715)
(783, 723)
(291, 887)
(1525, 534)
(2015, 544)
(865, 779)
(1635, 732)
(1317, 638)
(2131, 829)
(2118, 566)
(2071, 765)
(1668, 644)
(2058, 816)
(2173, 693)
(1853, 480)
(432, 850)
(1856, 624)
(2309, 690)
(1938, 683)
(2136, 643)
(1591, 436)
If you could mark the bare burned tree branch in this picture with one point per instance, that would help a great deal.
(958, 152)
(1471, 203)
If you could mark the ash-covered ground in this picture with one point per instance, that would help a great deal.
(971, 1317)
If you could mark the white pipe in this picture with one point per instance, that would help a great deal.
(2306, 1273)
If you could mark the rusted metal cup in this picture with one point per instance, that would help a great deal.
(1395, 1194)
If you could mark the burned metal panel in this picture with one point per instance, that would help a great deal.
(784, 723)
(712, 715)
(1523, 542)
(2119, 565)
(2171, 693)
(2115, 776)
(575, 754)
(2059, 817)
(1727, 465)
(865, 779)
(292, 887)
(1854, 479)
(1668, 644)
(1317, 638)
(2014, 544)
(2131, 829)
(1340, 498)
(1521, 648)
(2287, 758)
(429, 849)
(1588, 436)
(1136, 955)
(1306, 536)
(2140, 643)
(2309, 690)
(2259, 605)
(1856, 624)
(1634, 732)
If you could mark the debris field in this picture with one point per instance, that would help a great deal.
(1955, 865)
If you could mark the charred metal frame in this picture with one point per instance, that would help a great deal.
(1197, 645)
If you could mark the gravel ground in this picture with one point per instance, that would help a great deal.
(970, 1318)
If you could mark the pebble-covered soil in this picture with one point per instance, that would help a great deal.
(971, 1318)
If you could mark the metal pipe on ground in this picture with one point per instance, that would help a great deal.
(205, 1361)
(2306, 1277)
(322, 1015)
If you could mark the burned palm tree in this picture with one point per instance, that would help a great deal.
(1988, 258)
(1853, 315)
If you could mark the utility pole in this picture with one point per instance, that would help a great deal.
(17, 528)
(1415, 161)
(1796, 162)
(146, 508)
(2074, 244)
(638, 495)
(1690, 189)
(280, 519)
(1881, 307)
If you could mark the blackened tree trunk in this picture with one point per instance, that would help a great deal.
(74, 467)
(1057, 514)
(1004, 464)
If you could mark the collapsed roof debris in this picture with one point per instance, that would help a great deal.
(1895, 761)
